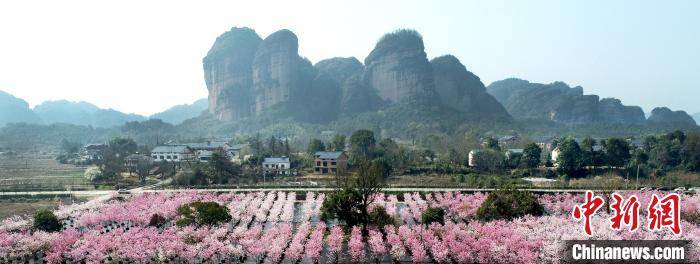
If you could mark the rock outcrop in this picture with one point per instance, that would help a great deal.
(228, 72)
(561, 103)
(355, 94)
(463, 91)
(398, 68)
(280, 75)
(15, 110)
(663, 115)
(247, 76)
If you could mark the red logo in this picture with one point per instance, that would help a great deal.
(626, 212)
(665, 213)
(661, 212)
(585, 211)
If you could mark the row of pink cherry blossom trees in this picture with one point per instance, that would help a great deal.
(279, 227)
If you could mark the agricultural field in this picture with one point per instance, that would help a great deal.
(39, 172)
(285, 227)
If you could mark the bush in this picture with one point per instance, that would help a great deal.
(380, 218)
(433, 215)
(202, 213)
(509, 204)
(45, 220)
(157, 221)
(345, 206)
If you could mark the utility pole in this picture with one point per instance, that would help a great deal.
(635, 185)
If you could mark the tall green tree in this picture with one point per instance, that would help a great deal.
(492, 143)
(113, 159)
(690, 153)
(569, 159)
(337, 143)
(362, 146)
(617, 152)
(315, 145)
(221, 169)
(531, 155)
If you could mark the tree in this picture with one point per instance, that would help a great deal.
(433, 215)
(492, 143)
(69, 147)
(380, 218)
(362, 146)
(114, 157)
(221, 169)
(508, 204)
(569, 159)
(45, 220)
(531, 155)
(337, 143)
(315, 145)
(617, 151)
(588, 154)
(350, 201)
(202, 213)
(489, 160)
(690, 153)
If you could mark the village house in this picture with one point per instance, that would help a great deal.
(276, 165)
(510, 152)
(472, 157)
(507, 140)
(137, 162)
(330, 162)
(93, 152)
(545, 143)
(172, 153)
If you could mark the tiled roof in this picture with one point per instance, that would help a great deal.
(329, 154)
(276, 160)
(171, 148)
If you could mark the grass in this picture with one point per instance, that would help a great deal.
(39, 172)
(27, 206)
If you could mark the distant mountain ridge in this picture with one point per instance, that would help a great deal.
(82, 113)
(179, 113)
(16, 110)
(560, 103)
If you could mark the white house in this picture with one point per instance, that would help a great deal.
(510, 152)
(555, 155)
(472, 157)
(172, 153)
(276, 165)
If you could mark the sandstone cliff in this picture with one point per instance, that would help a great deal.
(398, 68)
(663, 115)
(280, 75)
(462, 90)
(228, 73)
(561, 103)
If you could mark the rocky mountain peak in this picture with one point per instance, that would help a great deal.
(398, 68)
(228, 73)
(462, 90)
(664, 115)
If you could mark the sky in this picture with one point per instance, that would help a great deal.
(145, 56)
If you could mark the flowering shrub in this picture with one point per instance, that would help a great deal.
(265, 228)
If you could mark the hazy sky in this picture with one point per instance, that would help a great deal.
(144, 56)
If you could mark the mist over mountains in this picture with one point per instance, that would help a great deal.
(16, 110)
(255, 82)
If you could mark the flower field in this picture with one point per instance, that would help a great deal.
(281, 227)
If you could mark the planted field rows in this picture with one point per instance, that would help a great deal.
(283, 227)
